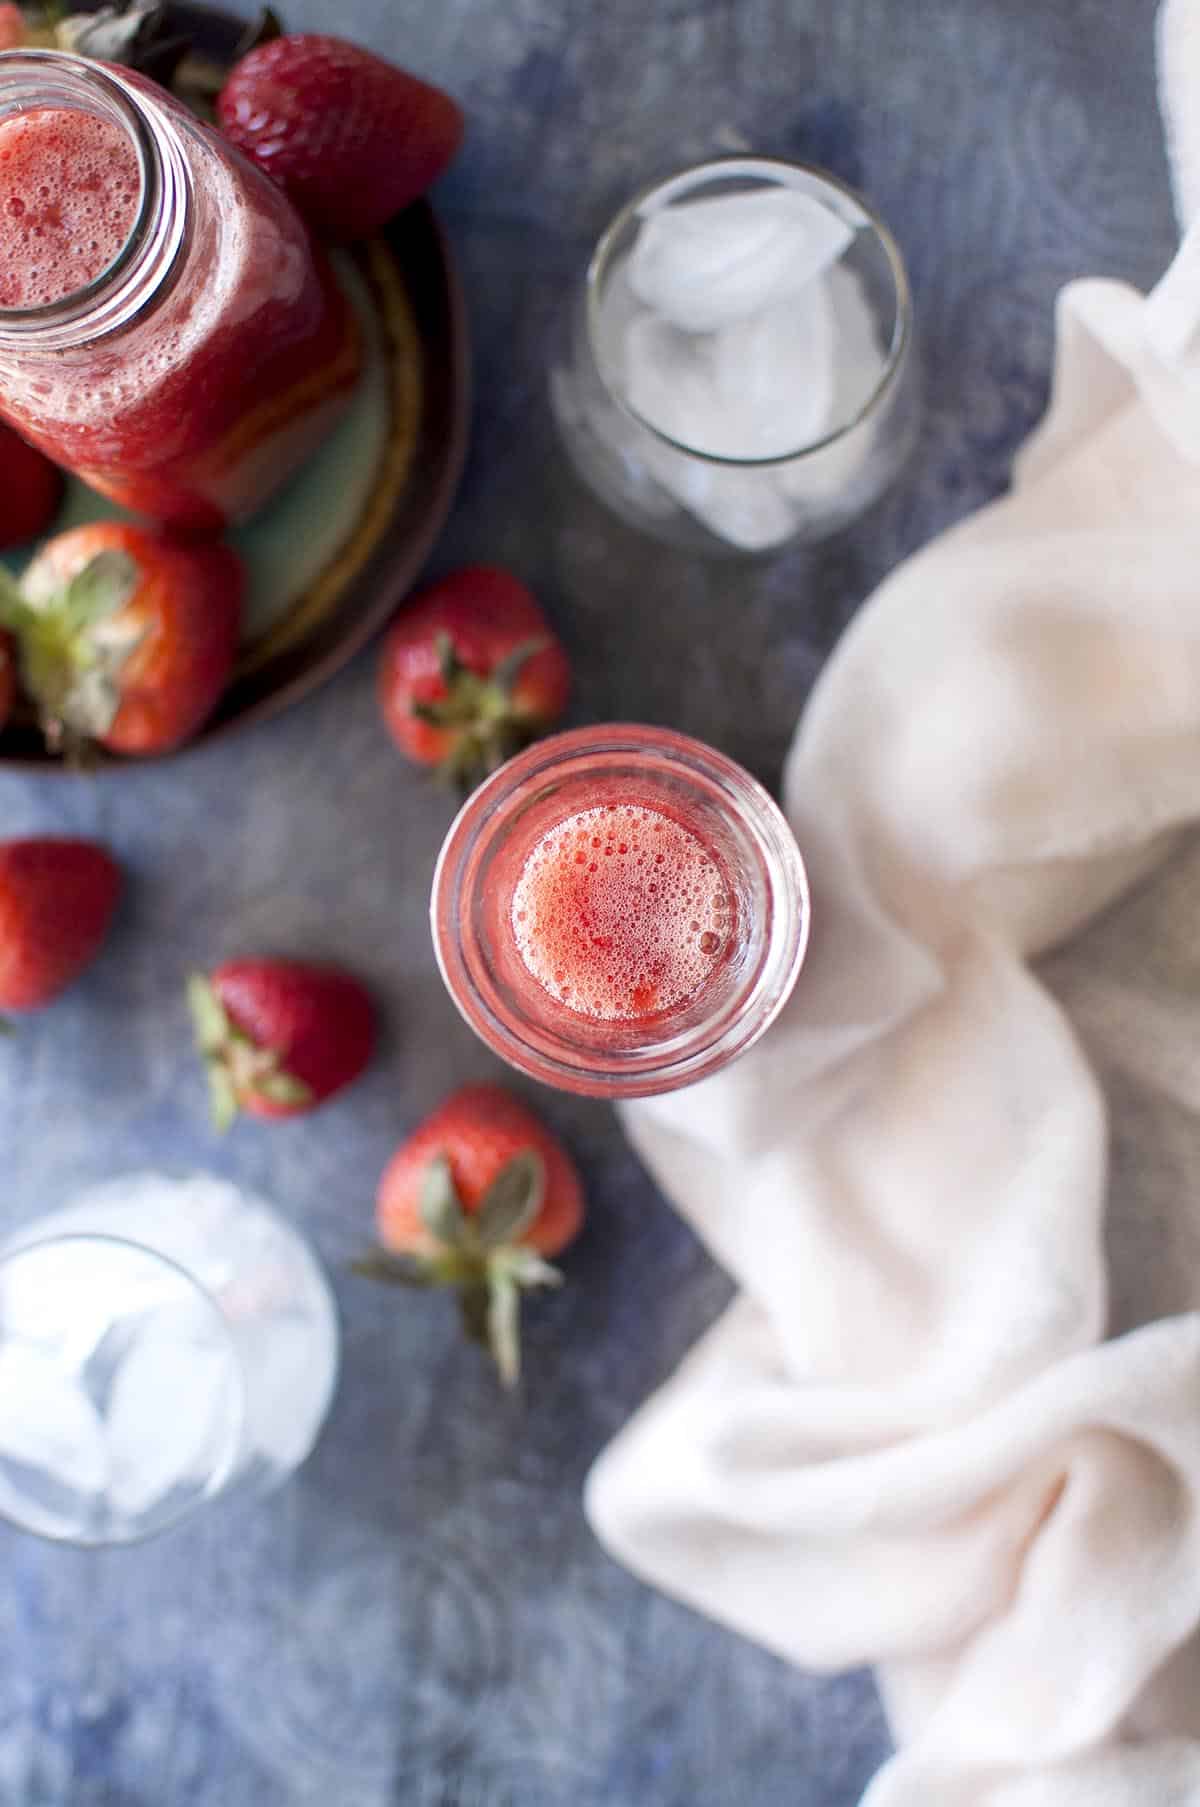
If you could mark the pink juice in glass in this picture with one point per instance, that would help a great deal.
(619, 910)
(621, 913)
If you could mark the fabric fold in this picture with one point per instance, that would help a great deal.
(904, 1443)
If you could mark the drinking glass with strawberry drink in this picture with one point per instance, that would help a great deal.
(168, 330)
(620, 911)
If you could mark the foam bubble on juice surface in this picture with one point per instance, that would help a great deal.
(620, 912)
(69, 192)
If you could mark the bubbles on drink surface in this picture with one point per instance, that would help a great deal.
(620, 913)
(69, 194)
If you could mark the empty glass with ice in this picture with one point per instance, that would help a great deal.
(739, 371)
(161, 1341)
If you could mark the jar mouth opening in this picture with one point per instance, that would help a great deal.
(33, 79)
(747, 837)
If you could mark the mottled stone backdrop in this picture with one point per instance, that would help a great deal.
(423, 1617)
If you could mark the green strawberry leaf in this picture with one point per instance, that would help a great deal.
(441, 1210)
(512, 1202)
(394, 1270)
(449, 664)
(283, 1088)
(112, 34)
(526, 1268)
(435, 715)
(262, 30)
(209, 1019)
(222, 1095)
(474, 1307)
(504, 1325)
(104, 586)
(505, 675)
(15, 612)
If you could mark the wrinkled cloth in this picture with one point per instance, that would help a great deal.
(951, 1423)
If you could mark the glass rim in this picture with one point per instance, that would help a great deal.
(21, 1244)
(658, 1069)
(75, 301)
(898, 349)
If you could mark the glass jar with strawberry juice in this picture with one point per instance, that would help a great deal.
(620, 911)
(168, 330)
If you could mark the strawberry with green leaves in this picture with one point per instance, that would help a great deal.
(279, 1037)
(470, 673)
(57, 898)
(127, 638)
(478, 1199)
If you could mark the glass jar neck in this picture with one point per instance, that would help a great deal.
(146, 262)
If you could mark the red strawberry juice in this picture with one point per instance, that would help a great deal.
(621, 912)
(71, 186)
(217, 349)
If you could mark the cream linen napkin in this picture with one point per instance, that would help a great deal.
(904, 1442)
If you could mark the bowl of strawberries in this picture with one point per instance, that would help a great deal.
(133, 622)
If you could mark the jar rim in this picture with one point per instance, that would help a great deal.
(79, 78)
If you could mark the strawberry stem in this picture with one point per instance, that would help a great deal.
(480, 1255)
(236, 1066)
(73, 646)
(478, 713)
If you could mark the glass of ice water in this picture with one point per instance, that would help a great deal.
(739, 369)
(162, 1341)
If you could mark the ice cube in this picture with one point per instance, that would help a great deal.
(48, 1428)
(704, 264)
(742, 507)
(62, 1296)
(859, 356)
(773, 376)
(172, 1412)
(670, 382)
(757, 389)
(845, 466)
(618, 308)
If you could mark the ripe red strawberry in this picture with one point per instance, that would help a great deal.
(470, 672)
(30, 486)
(127, 637)
(57, 898)
(475, 1199)
(349, 138)
(279, 1036)
(12, 26)
(8, 678)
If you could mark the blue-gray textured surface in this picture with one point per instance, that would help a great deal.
(423, 1617)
